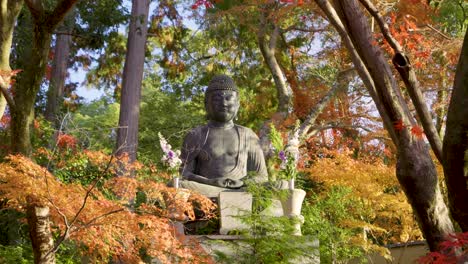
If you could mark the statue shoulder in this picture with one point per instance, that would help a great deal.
(197, 131)
(195, 134)
(248, 132)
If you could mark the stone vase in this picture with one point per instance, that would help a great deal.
(292, 205)
(175, 182)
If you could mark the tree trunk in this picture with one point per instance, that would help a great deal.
(127, 134)
(28, 84)
(415, 168)
(39, 231)
(440, 112)
(267, 42)
(9, 10)
(59, 74)
(268, 50)
(455, 155)
(33, 63)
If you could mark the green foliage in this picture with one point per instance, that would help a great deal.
(22, 254)
(12, 230)
(453, 16)
(268, 238)
(107, 74)
(270, 241)
(282, 165)
(163, 112)
(275, 138)
(42, 134)
(98, 20)
(72, 165)
(324, 217)
(16, 254)
(95, 124)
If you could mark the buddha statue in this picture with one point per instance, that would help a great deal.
(218, 156)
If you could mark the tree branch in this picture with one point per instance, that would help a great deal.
(35, 7)
(6, 94)
(361, 68)
(59, 12)
(315, 112)
(268, 49)
(403, 66)
(438, 32)
(317, 129)
(309, 30)
(91, 222)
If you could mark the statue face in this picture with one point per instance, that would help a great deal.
(222, 105)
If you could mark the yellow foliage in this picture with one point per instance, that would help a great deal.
(389, 217)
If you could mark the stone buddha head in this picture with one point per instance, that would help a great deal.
(222, 99)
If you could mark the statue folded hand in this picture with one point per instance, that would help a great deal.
(226, 183)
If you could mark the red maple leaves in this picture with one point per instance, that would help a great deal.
(415, 130)
(398, 125)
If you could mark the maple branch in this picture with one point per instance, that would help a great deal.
(49, 198)
(408, 75)
(309, 30)
(88, 192)
(438, 32)
(91, 222)
(317, 129)
(69, 225)
(315, 112)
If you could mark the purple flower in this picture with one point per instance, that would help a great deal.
(170, 157)
(282, 155)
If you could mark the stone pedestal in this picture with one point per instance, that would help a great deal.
(232, 206)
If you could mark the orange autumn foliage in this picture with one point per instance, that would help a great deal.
(389, 216)
(105, 228)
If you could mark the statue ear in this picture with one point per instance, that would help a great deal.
(207, 111)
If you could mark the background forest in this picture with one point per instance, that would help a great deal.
(371, 94)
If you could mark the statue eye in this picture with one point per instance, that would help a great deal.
(217, 97)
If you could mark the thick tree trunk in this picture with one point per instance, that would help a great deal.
(408, 75)
(28, 84)
(9, 10)
(39, 231)
(59, 74)
(127, 134)
(33, 63)
(415, 168)
(455, 155)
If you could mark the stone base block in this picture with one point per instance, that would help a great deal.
(232, 206)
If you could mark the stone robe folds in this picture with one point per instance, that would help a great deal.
(196, 159)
